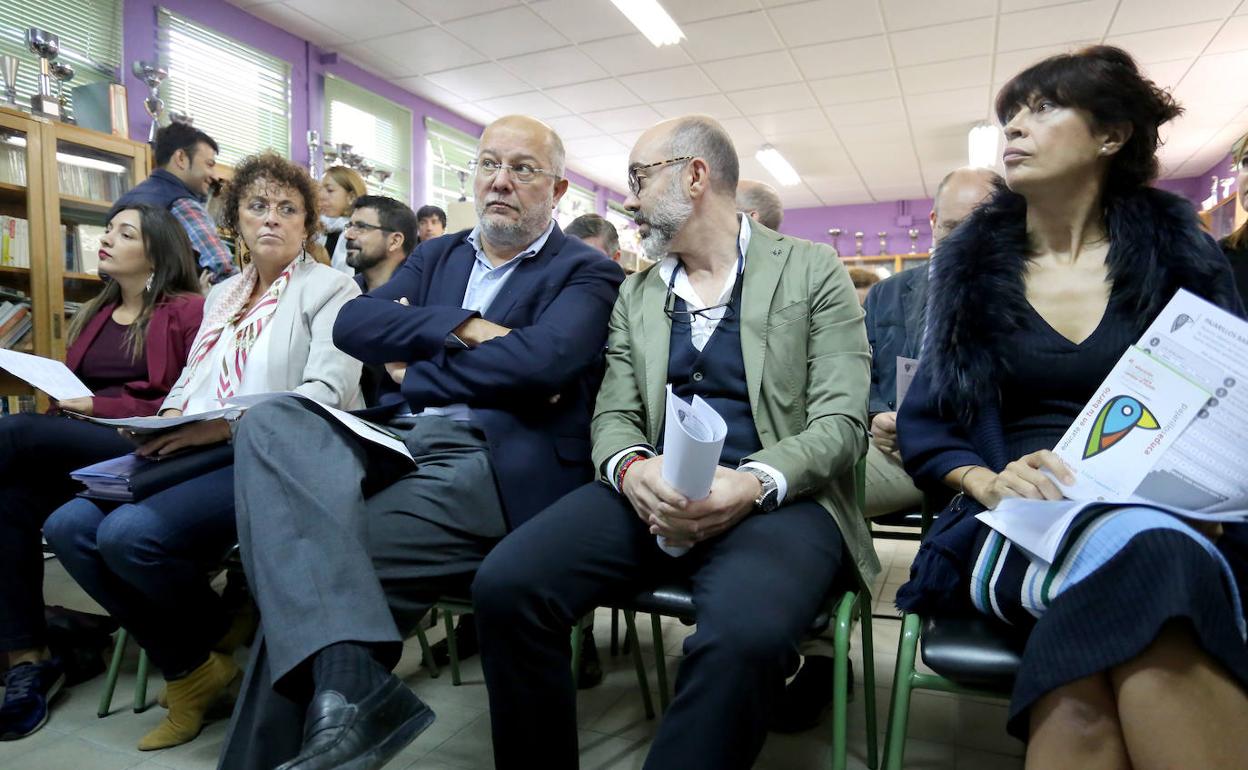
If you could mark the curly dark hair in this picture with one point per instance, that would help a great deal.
(276, 170)
(1106, 83)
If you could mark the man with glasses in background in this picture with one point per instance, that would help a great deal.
(495, 337)
(767, 329)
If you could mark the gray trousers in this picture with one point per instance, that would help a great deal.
(344, 541)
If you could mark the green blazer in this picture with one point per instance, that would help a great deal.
(807, 367)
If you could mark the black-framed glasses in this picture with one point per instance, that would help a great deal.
(521, 172)
(718, 312)
(635, 176)
(365, 227)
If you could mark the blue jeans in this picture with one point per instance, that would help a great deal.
(148, 563)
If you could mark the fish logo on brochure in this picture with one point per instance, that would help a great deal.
(1115, 420)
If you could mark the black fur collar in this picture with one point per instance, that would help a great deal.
(976, 296)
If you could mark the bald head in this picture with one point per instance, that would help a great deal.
(760, 202)
(695, 136)
(957, 195)
(534, 132)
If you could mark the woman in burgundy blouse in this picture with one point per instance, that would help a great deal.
(128, 345)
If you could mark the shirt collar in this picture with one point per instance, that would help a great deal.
(669, 263)
(531, 251)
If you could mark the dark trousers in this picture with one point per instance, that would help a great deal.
(37, 454)
(756, 587)
(148, 563)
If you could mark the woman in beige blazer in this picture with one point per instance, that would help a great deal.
(268, 329)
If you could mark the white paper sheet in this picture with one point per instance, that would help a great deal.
(693, 437)
(52, 377)
(366, 430)
(906, 368)
(147, 425)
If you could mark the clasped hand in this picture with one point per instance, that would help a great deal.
(473, 332)
(681, 521)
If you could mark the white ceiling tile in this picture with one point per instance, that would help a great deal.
(422, 51)
(572, 127)
(798, 197)
(373, 60)
(756, 71)
(796, 122)
(423, 88)
(297, 23)
(907, 14)
(1182, 42)
(865, 113)
(1233, 37)
(687, 11)
(761, 101)
(474, 113)
(730, 36)
(743, 132)
(946, 76)
(440, 10)
(533, 103)
(674, 83)
(480, 81)
(856, 88)
(596, 95)
(1010, 6)
(365, 19)
(1010, 63)
(1167, 74)
(944, 42)
(556, 67)
(593, 146)
(633, 53)
(581, 20)
(506, 33)
(825, 20)
(628, 138)
(1054, 25)
(972, 102)
(846, 57)
(843, 198)
(858, 134)
(1140, 15)
(892, 192)
(818, 152)
(615, 121)
(715, 105)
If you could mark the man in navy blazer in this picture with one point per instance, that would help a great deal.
(495, 337)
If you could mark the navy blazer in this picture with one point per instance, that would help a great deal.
(556, 303)
(895, 309)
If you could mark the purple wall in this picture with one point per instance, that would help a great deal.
(307, 79)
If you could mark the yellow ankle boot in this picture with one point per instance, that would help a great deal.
(189, 699)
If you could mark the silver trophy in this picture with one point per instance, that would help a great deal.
(8, 69)
(46, 46)
(151, 75)
(913, 232)
(834, 233)
(858, 236)
(63, 73)
(314, 146)
(883, 242)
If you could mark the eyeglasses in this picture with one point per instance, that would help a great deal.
(635, 177)
(718, 312)
(365, 227)
(521, 172)
(260, 209)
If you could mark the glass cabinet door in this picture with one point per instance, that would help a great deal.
(22, 294)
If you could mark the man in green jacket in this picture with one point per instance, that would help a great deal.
(767, 330)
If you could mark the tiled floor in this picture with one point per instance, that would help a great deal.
(945, 731)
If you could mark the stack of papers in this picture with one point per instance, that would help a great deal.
(693, 438)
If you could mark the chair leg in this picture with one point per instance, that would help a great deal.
(660, 661)
(114, 668)
(899, 707)
(140, 684)
(615, 632)
(630, 638)
(840, 683)
(577, 633)
(452, 650)
(868, 677)
(426, 653)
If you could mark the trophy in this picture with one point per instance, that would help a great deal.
(314, 145)
(858, 236)
(151, 75)
(883, 242)
(835, 233)
(46, 46)
(913, 232)
(8, 69)
(382, 175)
(63, 73)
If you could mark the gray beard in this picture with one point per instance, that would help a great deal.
(671, 214)
(516, 235)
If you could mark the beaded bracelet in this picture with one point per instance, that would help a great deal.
(623, 466)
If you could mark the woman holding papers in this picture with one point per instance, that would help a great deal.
(127, 345)
(267, 329)
(1136, 655)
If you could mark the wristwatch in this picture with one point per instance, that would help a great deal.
(769, 497)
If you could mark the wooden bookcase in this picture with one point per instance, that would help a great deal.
(54, 174)
(894, 263)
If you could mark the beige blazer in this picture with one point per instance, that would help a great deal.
(807, 368)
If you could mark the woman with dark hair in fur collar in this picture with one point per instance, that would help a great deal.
(1135, 656)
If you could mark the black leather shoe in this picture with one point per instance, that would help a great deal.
(360, 736)
(808, 696)
(589, 672)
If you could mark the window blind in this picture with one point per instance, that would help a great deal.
(90, 40)
(447, 154)
(376, 128)
(575, 202)
(236, 94)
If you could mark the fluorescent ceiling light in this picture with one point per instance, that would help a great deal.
(74, 160)
(777, 166)
(982, 145)
(653, 22)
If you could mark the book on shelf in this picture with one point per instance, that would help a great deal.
(16, 405)
(12, 164)
(17, 337)
(91, 183)
(14, 242)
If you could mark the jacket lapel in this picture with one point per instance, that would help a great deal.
(764, 262)
(525, 278)
(450, 276)
(655, 338)
(914, 300)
